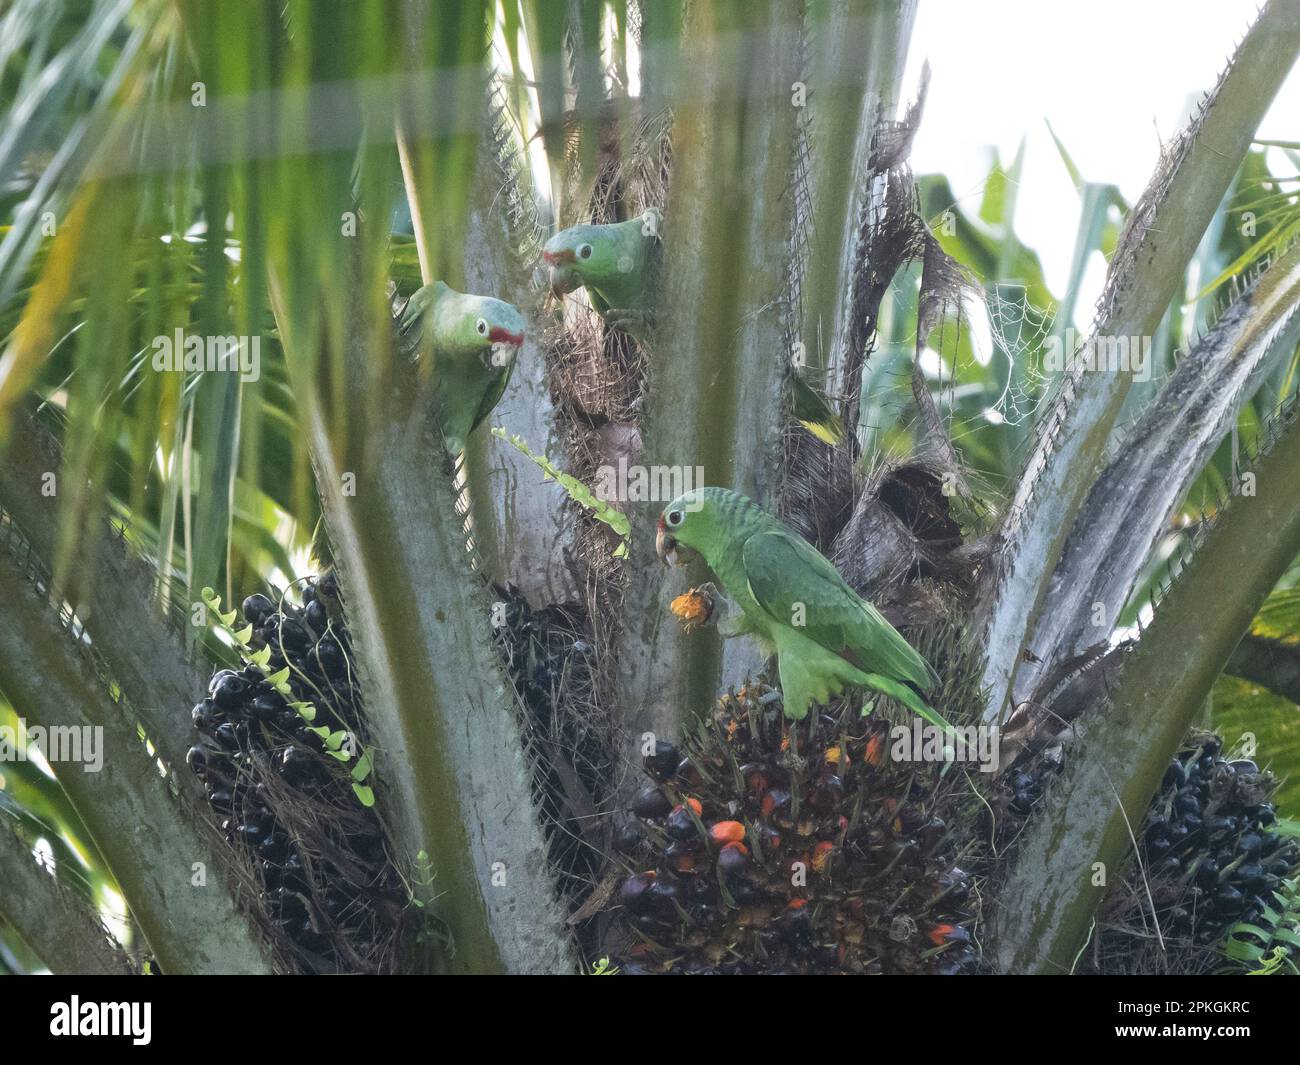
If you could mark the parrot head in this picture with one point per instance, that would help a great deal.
(482, 326)
(592, 254)
(682, 524)
(579, 255)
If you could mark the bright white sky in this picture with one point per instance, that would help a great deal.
(1114, 77)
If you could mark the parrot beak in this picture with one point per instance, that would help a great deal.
(562, 278)
(562, 281)
(665, 547)
(502, 346)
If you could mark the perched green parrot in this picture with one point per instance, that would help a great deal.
(471, 343)
(619, 266)
(824, 634)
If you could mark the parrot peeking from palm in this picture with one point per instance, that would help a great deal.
(469, 344)
(619, 265)
(826, 637)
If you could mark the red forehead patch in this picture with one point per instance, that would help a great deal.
(498, 335)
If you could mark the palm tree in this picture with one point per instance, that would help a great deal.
(279, 171)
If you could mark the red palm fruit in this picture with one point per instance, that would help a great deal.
(939, 934)
(727, 832)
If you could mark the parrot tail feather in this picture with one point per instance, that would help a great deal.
(902, 693)
(809, 673)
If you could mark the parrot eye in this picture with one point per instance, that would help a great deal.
(482, 327)
(674, 518)
(584, 251)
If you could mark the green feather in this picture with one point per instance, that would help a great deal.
(793, 582)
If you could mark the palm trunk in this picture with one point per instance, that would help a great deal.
(1128, 509)
(174, 873)
(856, 51)
(64, 931)
(719, 359)
(520, 531)
(455, 783)
(114, 598)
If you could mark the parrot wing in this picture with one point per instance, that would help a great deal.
(598, 302)
(496, 389)
(786, 574)
(410, 322)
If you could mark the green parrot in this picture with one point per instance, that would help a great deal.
(471, 343)
(825, 635)
(619, 264)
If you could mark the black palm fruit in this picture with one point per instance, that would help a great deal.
(663, 761)
(228, 690)
(257, 608)
(204, 716)
(316, 616)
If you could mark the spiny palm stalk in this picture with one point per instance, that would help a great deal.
(249, 171)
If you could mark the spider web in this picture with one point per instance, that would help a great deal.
(1020, 331)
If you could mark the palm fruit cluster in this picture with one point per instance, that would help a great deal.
(285, 798)
(539, 646)
(775, 847)
(547, 657)
(1211, 860)
(1013, 798)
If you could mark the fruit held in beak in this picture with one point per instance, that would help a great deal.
(693, 609)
